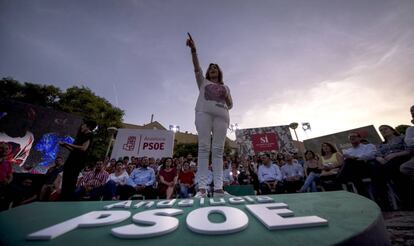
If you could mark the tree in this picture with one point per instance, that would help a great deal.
(401, 128)
(42, 95)
(83, 102)
(80, 101)
(227, 149)
(183, 149)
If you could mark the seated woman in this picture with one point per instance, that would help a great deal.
(391, 154)
(55, 194)
(115, 180)
(167, 179)
(186, 181)
(313, 168)
(51, 175)
(332, 161)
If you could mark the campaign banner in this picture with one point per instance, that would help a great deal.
(265, 139)
(265, 142)
(143, 142)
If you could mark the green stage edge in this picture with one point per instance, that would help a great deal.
(352, 219)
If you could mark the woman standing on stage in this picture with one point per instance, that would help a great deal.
(76, 159)
(211, 119)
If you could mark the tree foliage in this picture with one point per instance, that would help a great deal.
(42, 95)
(227, 149)
(80, 101)
(401, 128)
(183, 149)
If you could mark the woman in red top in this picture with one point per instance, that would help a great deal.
(186, 180)
(168, 179)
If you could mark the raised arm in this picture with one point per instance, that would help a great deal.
(191, 44)
(197, 69)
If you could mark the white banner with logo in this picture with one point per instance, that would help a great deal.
(143, 142)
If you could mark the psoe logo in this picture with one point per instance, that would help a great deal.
(162, 219)
(130, 144)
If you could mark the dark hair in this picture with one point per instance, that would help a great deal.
(333, 149)
(395, 133)
(116, 163)
(90, 124)
(313, 154)
(280, 154)
(220, 73)
(164, 161)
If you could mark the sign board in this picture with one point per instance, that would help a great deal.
(326, 218)
(143, 142)
(265, 139)
(265, 142)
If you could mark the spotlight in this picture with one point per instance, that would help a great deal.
(306, 126)
(174, 128)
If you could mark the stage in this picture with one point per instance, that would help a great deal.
(351, 220)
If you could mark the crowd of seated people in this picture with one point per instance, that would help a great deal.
(388, 167)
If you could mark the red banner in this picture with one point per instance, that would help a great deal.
(265, 142)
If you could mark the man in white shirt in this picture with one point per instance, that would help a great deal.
(292, 173)
(269, 176)
(408, 167)
(190, 159)
(358, 161)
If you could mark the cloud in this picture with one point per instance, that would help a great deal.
(374, 92)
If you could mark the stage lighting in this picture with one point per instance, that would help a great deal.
(174, 128)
